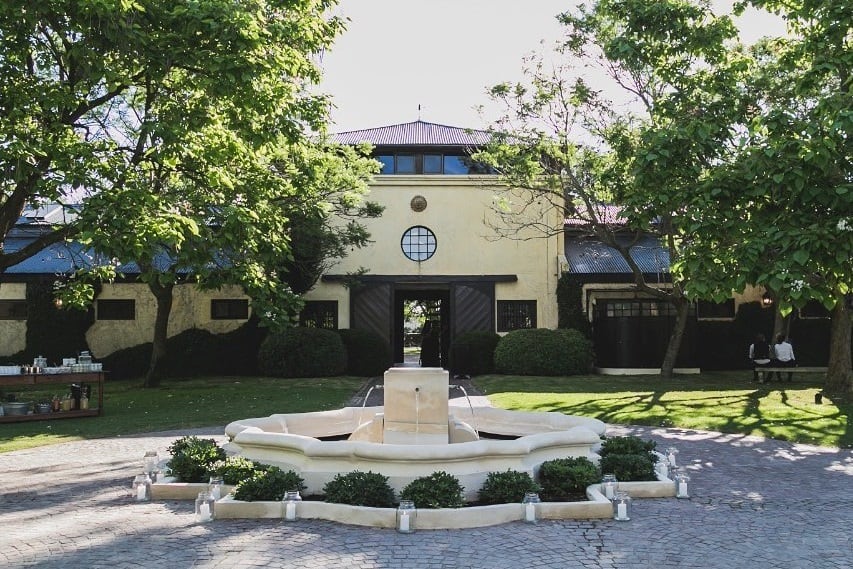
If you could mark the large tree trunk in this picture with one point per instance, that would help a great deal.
(682, 309)
(839, 376)
(163, 296)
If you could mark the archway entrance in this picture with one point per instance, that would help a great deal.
(422, 325)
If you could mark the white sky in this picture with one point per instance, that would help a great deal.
(443, 55)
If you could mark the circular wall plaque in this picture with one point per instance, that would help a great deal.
(418, 203)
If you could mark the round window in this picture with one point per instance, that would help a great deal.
(418, 243)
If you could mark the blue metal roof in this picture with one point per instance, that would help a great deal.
(418, 133)
(590, 256)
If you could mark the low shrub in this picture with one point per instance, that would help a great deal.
(629, 467)
(506, 487)
(193, 457)
(438, 490)
(268, 484)
(358, 488)
(235, 469)
(539, 351)
(473, 353)
(628, 445)
(566, 479)
(368, 354)
(302, 352)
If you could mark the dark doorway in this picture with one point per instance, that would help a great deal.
(428, 307)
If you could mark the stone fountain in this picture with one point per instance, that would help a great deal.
(415, 433)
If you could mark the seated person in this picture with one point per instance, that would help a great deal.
(759, 353)
(783, 356)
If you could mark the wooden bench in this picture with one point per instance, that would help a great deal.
(797, 369)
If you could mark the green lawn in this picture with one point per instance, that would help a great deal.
(177, 404)
(724, 402)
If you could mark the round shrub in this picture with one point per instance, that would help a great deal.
(368, 354)
(302, 352)
(192, 458)
(438, 490)
(629, 467)
(506, 487)
(539, 351)
(268, 484)
(566, 479)
(235, 469)
(360, 489)
(473, 353)
(628, 445)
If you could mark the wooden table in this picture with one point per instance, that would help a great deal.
(42, 379)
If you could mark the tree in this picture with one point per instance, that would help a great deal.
(565, 147)
(779, 210)
(184, 126)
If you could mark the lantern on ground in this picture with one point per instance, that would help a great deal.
(407, 515)
(214, 487)
(141, 487)
(529, 502)
(681, 479)
(291, 501)
(608, 486)
(622, 507)
(151, 464)
(204, 505)
(670, 456)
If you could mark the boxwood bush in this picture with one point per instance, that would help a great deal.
(473, 353)
(268, 484)
(566, 479)
(193, 457)
(438, 490)
(629, 458)
(235, 469)
(368, 354)
(302, 352)
(506, 487)
(358, 488)
(539, 351)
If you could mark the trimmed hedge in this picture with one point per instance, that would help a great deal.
(302, 352)
(566, 479)
(368, 354)
(473, 353)
(539, 351)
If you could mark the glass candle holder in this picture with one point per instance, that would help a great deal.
(530, 509)
(681, 479)
(622, 504)
(214, 487)
(407, 515)
(151, 464)
(204, 505)
(141, 487)
(662, 468)
(291, 501)
(670, 456)
(608, 486)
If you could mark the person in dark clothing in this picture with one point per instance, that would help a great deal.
(759, 353)
(431, 345)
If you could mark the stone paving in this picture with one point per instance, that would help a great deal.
(754, 503)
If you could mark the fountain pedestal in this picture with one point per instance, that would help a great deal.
(416, 409)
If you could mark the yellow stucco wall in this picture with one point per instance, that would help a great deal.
(13, 333)
(190, 309)
(459, 213)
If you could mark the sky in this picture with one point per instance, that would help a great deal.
(443, 55)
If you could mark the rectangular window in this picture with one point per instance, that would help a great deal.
(516, 314)
(405, 164)
(13, 309)
(387, 163)
(432, 163)
(636, 308)
(320, 314)
(115, 309)
(229, 309)
(725, 309)
(455, 165)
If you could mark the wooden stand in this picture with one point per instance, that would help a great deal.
(37, 379)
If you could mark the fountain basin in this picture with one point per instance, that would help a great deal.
(291, 441)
